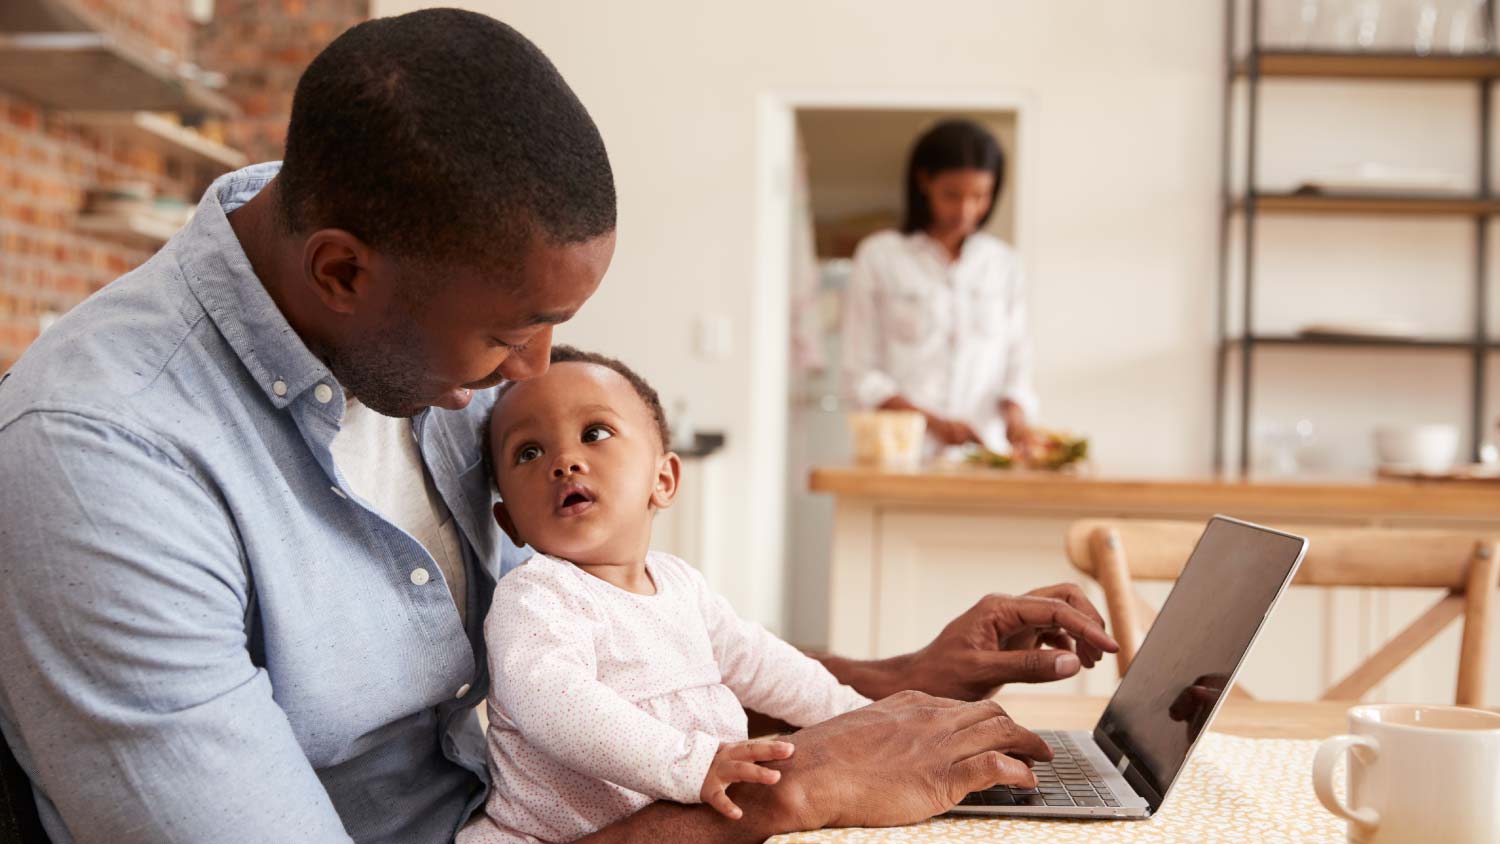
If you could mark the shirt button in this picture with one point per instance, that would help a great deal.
(420, 577)
(278, 387)
(323, 393)
(462, 690)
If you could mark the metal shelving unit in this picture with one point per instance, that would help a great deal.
(1261, 63)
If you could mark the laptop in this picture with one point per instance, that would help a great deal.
(1126, 766)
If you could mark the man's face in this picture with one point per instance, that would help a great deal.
(580, 464)
(431, 342)
(959, 199)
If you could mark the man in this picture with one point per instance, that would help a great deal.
(244, 530)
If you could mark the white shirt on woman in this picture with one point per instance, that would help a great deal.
(947, 335)
(603, 700)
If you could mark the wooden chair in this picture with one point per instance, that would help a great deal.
(1116, 553)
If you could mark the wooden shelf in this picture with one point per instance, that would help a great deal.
(1334, 341)
(1361, 65)
(1400, 204)
(91, 71)
(139, 229)
(44, 16)
(152, 130)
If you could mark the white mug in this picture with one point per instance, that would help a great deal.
(1416, 773)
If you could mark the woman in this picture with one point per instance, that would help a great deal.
(935, 314)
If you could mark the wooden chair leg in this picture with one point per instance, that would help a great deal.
(1113, 574)
(1479, 619)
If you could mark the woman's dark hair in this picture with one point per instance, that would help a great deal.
(950, 145)
(443, 136)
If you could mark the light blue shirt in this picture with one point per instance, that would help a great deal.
(205, 635)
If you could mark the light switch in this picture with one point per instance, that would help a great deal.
(713, 337)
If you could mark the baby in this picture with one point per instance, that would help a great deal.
(617, 675)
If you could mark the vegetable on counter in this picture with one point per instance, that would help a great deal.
(1057, 451)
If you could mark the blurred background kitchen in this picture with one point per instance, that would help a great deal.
(1255, 236)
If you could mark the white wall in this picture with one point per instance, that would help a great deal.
(1121, 211)
(856, 162)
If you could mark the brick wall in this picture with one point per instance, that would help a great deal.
(46, 166)
(47, 163)
(263, 46)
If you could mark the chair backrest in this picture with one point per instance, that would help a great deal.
(1118, 552)
(19, 822)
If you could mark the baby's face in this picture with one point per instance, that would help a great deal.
(580, 465)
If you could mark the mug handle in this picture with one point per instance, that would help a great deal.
(1328, 756)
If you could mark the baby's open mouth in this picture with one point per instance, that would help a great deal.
(574, 499)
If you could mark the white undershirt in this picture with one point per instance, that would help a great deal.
(380, 461)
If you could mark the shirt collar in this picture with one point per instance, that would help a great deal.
(920, 239)
(219, 274)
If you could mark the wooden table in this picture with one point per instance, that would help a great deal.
(1185, 818)
(913, 549)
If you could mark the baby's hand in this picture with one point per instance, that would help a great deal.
(735, 762)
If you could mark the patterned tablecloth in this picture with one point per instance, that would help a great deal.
(1234, 790)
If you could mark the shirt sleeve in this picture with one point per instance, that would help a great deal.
(545, 671)
(126, 684)
(1015, 381)
(767, 674)
(863, 364)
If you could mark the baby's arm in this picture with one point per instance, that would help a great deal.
(767, 674)
(544, 680)
(736, 762)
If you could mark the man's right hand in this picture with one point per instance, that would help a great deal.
(900, 760)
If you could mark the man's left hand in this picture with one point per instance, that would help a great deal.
(1047, 634)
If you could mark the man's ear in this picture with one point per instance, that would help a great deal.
(502, 518)
(338, 267)
(668, 475)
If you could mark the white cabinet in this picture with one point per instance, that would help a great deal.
(900, 571)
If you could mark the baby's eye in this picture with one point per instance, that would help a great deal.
(527, 454)
(595, 433)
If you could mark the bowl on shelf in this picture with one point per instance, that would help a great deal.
(1427, 448)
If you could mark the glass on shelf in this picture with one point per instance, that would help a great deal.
(1285, 449)
(1467, 29)
(1294, 24)
(1449, 26)
(1424, 27)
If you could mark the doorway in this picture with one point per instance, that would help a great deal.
(837, 171)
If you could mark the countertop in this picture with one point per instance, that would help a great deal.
(965, 487)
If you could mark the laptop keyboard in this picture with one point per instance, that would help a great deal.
(1068, 780)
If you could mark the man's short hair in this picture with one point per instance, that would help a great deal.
(443, 136)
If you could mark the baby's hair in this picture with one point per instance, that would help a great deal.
(569, 354)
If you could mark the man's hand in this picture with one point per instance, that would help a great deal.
(1038, 637)
(735, 762)
(902, 760)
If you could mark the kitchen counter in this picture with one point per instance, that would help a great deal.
(1362, 499)
(913, 549)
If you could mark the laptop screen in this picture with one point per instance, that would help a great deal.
(1201, 635)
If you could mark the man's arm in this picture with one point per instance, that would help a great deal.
(997, 641)
(125, 683)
